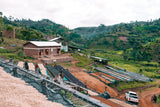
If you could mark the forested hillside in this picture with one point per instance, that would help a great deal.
(138, 40)
(90, 32)
(39, 30)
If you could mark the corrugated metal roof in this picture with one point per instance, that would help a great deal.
(45, 43)
(54, 39)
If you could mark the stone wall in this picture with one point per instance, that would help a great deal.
(31, 52)
(9, 34)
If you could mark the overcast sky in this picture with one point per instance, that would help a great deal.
(78, 13)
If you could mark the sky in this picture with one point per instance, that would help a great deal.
(82, 13)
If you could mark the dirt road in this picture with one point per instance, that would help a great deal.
(110, 103)
(145, 98)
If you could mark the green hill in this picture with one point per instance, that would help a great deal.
(40, 30)
(138, 40)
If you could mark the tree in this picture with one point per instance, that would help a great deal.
(21, 54)
(10, 28)
(1, 14)
(26, 34)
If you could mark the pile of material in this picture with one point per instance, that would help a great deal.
(14, 92)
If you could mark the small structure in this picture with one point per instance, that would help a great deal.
(100, 60)
(9, 33)
(40, 49)
(63, 43)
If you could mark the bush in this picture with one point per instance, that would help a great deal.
(28, 57)
(122, 85)
(20, 53)
(83, 60)
(158, 99)
(10, 28)
(6, 51)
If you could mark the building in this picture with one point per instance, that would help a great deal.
(63, 43)
(40, 49)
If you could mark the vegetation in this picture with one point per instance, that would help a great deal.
(158, 99)
(39, 30)
(83, 60)
(122, 85)
(6, 51)
(139, 41)
(49, 29)
(149, 69)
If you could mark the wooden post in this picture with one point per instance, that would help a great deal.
(38, 53)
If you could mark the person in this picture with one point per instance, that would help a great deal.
(154, 98)
(85, 85)
(26, 65)
(36, 67)
(54, 65)
(105, 88)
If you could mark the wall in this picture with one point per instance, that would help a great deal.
(35, 51)
(9, 34)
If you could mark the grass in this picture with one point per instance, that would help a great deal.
(110, 56)
(8, 42)
(65, 64)
(11, 55)
(11, 47)
(83, 60)
(148, 71)
(120, 86)
(6, 51)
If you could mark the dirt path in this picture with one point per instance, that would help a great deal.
(145, 98)
(14, 92)
(122, 103)
(110, 103)
(74, 63)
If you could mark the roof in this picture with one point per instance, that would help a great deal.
(45, 43)
(55, 39)
(98, 58)
(132, 92)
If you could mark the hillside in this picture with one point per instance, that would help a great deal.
(90, 32)
(39, 30)
(132, 37)
(138, 40)
(51, 29)
(120, 36)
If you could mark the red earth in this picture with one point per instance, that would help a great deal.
(96, 85)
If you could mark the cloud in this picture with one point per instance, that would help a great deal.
(75, 13)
